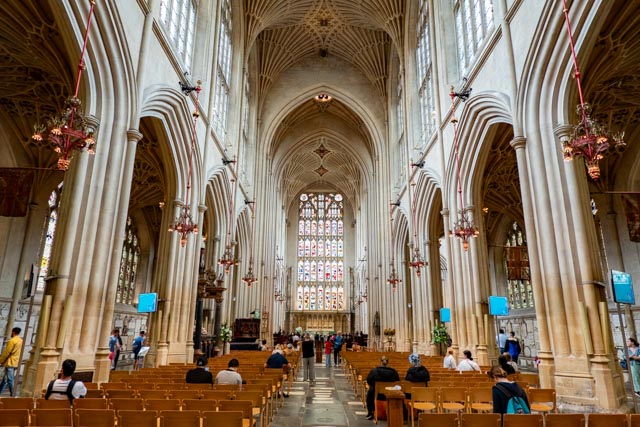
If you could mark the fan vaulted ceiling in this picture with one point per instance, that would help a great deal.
(283, 33)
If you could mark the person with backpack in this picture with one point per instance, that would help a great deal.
(136, 347)
(508, 396)
(66, 387)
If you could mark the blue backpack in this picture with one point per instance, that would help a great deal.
(515, 404)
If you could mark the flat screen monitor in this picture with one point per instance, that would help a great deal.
(622, 287)
(498, 306)
(147, 303)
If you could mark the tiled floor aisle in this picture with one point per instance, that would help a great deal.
(330, 401)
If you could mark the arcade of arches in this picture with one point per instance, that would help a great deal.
(324, 159)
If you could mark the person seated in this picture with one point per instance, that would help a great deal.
(278, 361)
(468, 364)
(201, 374)
(417, 373)
(504, 389)
(449, 360)
(230, 375)
(288, 351)
(382, 373)
(263, 346)
(504, 364)
(510, 362)
(66, 387)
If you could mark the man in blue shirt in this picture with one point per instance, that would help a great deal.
(135, 347)
(337, 345)
(278, 361)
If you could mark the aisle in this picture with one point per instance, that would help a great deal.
(330, 401)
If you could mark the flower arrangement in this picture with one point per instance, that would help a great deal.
(225, 333)
(389, 332)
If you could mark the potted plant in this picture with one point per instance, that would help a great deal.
(225, 336)
(440, 336)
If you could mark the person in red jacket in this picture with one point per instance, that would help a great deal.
(328, 346)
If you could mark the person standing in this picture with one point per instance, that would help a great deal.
(501, 341)
(201, 374)
(337, 346)
(115, 344)
(10, 360)
(136, 347)
(308, 359)
(513, 347)
(382, 373)
(634, 359)
(328, 346)
(66, 387)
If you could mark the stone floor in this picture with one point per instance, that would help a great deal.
(330, 401)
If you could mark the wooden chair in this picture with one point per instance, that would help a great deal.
(138, 418)
(453, 399)
(152, 394)
(95, 418)
(542, 400)
(227, 387)
(522, 420)
(380, 386)
(607, 420)
(428, 419)
(422, 399)
(217, 395)
(179, 419)
(259, 402)
(197, 386)
(53, 404)
(480, 420)
(51, 417)
(14, 417)
(90, 404)
(634, 420)
(481, 399)
(184, 394)
(144, 386)
(564, 420)
(162, 404)
(199, 405)
(244, 406)
(120, 394)
(94, 394)
(222, 418)
(126, 404)
(91, 386)
(114, 386)
(17, 403)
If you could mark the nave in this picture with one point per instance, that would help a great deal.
(329, 401)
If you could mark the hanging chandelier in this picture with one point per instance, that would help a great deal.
(184, 223)
(417, 262)
(70, 130)
(250, 278)
(228, 260)
(463, 228)
(589, 139)
(393, 279)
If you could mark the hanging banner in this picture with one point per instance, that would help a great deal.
(498, 306)
(15, 190)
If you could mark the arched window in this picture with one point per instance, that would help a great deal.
(425, 76)
(516, 264)
(178, 17)
(128, 265)
(223, 78)
(320, 264)
(52, 220)
(474, 19)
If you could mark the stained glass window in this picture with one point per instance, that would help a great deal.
(320, 252)
(52, 220)
(128, 265)
(178, 17)
(425, 76)
(474, 20)
(516, 264)
(223, 80)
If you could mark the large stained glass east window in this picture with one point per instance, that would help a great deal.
(320, 279)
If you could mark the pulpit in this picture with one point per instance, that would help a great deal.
(245, 334)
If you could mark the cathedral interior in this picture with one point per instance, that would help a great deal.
(328, 165)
